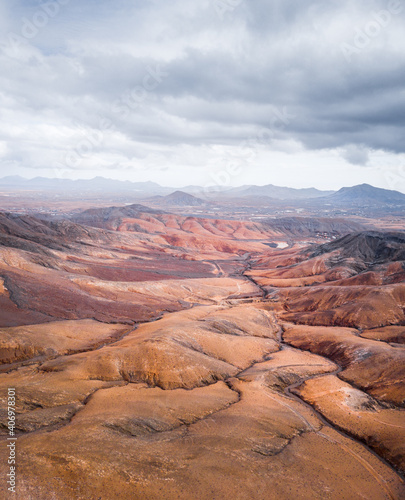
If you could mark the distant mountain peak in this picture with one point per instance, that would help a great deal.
(365, 193)
(180, 198)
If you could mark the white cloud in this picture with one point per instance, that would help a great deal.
(220, 83)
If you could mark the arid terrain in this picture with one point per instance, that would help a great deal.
(202, 250)
(160, 355)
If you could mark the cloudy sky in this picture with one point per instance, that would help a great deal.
(289, 92)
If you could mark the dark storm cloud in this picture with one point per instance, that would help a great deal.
(356, 155)
(208, 72)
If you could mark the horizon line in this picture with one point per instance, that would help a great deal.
(185, 186)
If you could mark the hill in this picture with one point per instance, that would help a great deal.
(369, 247)
(312, 226)
(181, 199)
(278, 192)
(111, 217)
(364, 194)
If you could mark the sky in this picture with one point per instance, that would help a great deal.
(210, 92)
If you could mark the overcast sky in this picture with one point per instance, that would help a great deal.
(289, 92)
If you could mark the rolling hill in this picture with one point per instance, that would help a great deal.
(364, 194)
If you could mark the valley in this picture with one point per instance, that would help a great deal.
(156, 354)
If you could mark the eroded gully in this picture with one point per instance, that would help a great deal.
(289, 391)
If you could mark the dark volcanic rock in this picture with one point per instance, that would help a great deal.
(37, 235)
(311, 226)
(111, 217)
(371, 247)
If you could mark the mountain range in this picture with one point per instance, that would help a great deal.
(360, 195)
(278, 192)
(95, 184)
